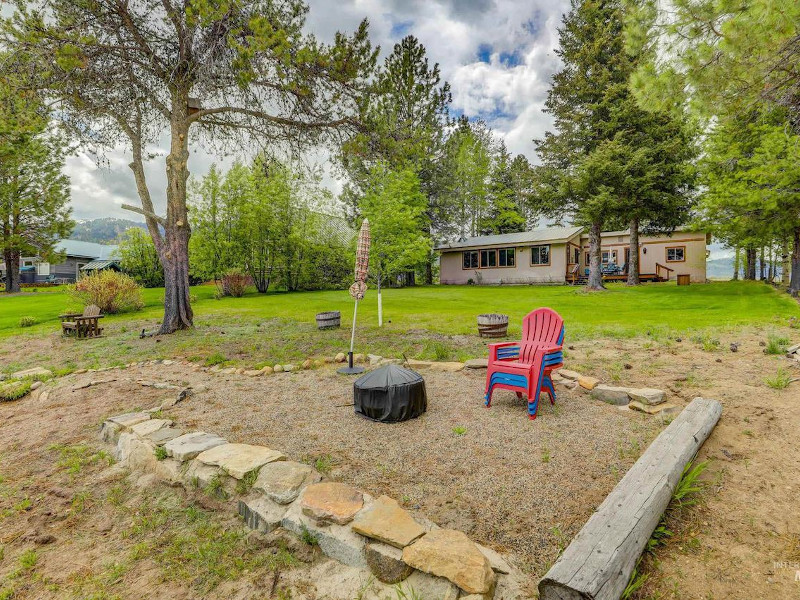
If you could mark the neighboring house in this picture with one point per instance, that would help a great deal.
(560, 255)
(77, 255)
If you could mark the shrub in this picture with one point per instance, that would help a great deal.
(27, 321)
(234, 283)
(113, 292)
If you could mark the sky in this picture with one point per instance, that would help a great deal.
(498, 56)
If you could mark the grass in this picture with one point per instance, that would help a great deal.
(780, 381)
(777, 344)
(687, 493)
(433, 322)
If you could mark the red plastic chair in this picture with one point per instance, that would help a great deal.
(524, 367)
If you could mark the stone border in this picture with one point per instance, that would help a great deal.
(347, 524)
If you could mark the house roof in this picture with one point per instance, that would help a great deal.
(548, 234)
(99, 265)
(86, 249)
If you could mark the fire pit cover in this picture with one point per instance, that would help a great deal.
(390, 394)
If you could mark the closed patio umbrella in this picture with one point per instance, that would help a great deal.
(358, 289)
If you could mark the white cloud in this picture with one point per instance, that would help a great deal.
(497, 54)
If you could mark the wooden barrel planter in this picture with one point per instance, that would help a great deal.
(492, 325)
(329, 320)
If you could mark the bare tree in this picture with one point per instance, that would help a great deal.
(127, 71)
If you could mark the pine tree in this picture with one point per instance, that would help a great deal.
(34, 192)
(504, 215)
(404, 127)
(609, 162)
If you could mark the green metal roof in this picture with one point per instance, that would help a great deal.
(99, 265)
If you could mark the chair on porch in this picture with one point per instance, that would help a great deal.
(525, 366)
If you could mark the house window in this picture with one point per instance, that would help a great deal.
(505, 257)
(27, 263)
(488, 259)
(576, 255)
(540, 255)
(676, 254)
(586, 259)
(609, 256)
(470, 259)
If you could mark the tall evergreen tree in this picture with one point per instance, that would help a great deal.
(34, 192)
(604, 165)
(404, 126)
(504, 214)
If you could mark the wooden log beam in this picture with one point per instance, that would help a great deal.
(598, 563)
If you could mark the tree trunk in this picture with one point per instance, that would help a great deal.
(786, 263)
(762, 274)
(175, 249)
(736, 263)
(751, 264)
(11, 258)
(633, 253)
(595, 257)
(794, 282)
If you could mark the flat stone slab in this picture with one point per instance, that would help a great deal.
(611, 394)
(164, 435)
(128, 420)
(451, 554)
(283, 481)
(498, 563)
(239, 459)
(477, 363)
(34, 372)
(649, 396)
(586, 382)
(336, 541)
(385, 521)
(332, 502)
(145, 428)
(567, 374)
(261, 514)
(665, 408)
(189, 445)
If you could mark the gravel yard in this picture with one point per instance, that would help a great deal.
(523, 487)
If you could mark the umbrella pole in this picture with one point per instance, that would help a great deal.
(352, 336)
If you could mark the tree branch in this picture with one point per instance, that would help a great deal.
(146, 213)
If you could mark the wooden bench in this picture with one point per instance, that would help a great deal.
(82, 325)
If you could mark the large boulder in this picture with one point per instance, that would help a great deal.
(451, 554)
(332, 502)
(385, 521)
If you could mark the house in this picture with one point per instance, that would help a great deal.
(558, 255)
(77, 255)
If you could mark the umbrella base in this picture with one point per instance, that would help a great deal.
(350, 370)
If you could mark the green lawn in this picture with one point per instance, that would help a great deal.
(621, 311)
(421, 321)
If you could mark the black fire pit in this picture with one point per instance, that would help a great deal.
(390, 394)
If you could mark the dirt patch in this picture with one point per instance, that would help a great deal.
(522, 487)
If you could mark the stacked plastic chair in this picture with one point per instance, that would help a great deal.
(525, 366)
